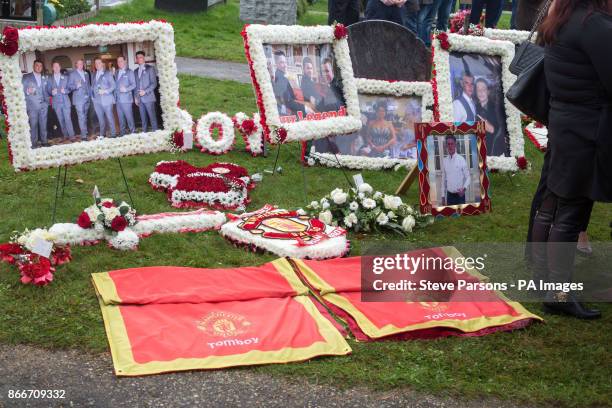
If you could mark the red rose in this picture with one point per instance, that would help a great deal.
(340, 31)
(84, 221)
(38, 271)
(282, 135)
(61, 255)
(7, 250)
(119, 223)
(11, 34)
(248, 126)
(108, 204)
(521, 162)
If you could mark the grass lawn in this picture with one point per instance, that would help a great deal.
(564, 362)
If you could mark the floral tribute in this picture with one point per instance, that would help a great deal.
(218, 185)
(457, 23)
(35, 268)
(251, 131)
(10, 41)
(206, 127)
(362, 209)
(112, 220)
(286, 233)
(538, 134)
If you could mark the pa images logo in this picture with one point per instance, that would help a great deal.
(224, 324)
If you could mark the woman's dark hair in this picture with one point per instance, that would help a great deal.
(560, 13)
(379, 105)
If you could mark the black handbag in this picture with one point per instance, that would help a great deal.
(529, 93)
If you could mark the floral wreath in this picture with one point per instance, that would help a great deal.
(252, 134)
(205, 128)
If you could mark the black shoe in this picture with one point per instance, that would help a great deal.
(565, 303)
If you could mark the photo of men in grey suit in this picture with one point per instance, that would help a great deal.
(146, 83)
(57, 87)
(37, 103)
(103, 96)
(124, 92)
(79, 83)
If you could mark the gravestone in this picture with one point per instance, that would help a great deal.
(388, 51)
(269, 11)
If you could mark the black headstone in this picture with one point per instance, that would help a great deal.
(385, 50)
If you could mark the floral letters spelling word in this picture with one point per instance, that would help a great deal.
(205, 129)
(364, 210)
(286, 233)
(24, 157)
(24, 251)
(218, 185)
(251, 132)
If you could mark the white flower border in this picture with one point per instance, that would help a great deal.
(26, 158)
(538, 136)
(235, 199)
(514, 36)
(378, 87)
(204, 138)
(255, 141)
(257, 35)
(481, 45)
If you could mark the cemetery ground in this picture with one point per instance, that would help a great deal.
(563, 362)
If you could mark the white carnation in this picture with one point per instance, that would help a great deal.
(377, 195)
(354, 206)
(326, 217)
(314, 204)
(369, 203)
(350, 220)
(382, 218)
(408, 223)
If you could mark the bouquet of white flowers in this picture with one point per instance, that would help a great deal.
(364, 210)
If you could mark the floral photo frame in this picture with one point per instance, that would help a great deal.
(436, 162)
(24, 157)
(309, 42)
(406, 92)
(493, 52)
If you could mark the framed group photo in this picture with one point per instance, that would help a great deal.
(88, 93)
(303, 80)
(452, 165)
(472, 77)
(389, 112)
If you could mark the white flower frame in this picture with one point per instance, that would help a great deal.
(255, 36)
(26, 158)
(514, 36)
(481, 45)
(386, 88)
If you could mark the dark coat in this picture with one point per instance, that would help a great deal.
(578, 68)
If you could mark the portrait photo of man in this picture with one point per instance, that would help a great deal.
(125, 84)
(57, 87)
(285, 96)
(103, 96)
(464, 108)
(37, 103)
(146, 84)
(332, 99)
(455, 173)
(79, 84)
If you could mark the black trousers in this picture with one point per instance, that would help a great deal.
(343, 11)
(454, 198)
(492, 15)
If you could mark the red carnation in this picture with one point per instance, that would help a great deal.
(521, 162)
(108, 204)
(119, 223)
(281, 133)
(37, 271)
(178, 140)
(9, 48)
(7, 250)
(61, 255)
(443, 38)
(248, 126)
(340, 31)
(84, 221)
(11, 34)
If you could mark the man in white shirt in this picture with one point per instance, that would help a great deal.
(464, 109)
(455, 174)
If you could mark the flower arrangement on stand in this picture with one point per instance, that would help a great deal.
(362, 209)
(23, 251)
(113, 220)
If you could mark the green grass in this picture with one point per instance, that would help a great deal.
(214, 34)
(564, 362)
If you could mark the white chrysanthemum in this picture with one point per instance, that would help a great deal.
(354, 206)
(314, 204)
(326, 217)
(369, 203)
(392, 202)
(377, 195)
(408, 223)
(382, 218)
(350, 220)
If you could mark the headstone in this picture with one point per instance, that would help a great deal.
(388, 51)
(269, 11)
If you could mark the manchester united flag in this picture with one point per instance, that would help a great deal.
(346, 290)
(161, 319)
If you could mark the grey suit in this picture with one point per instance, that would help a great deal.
(81, 95)
(60, 102)
(124, 92)
(147, 81)
(103, 96)
(37, 105)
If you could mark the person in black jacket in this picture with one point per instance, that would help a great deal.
(578, 69)
(343, 11)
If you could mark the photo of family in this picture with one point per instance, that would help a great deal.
(387, 129)
(476, 86)
(306, 81)
(83, 93)
(454, 174)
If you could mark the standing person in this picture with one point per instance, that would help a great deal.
(492, 14)
(57, 87)
(444, 10)
(146, 83)
(526, 13)
(390, 10)
(124, 90)
(343, 11)
(103, 96)
(425, 18)
(37, 104)
(464, 109)
(79, 83)
(456, 174)
(578, 74)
